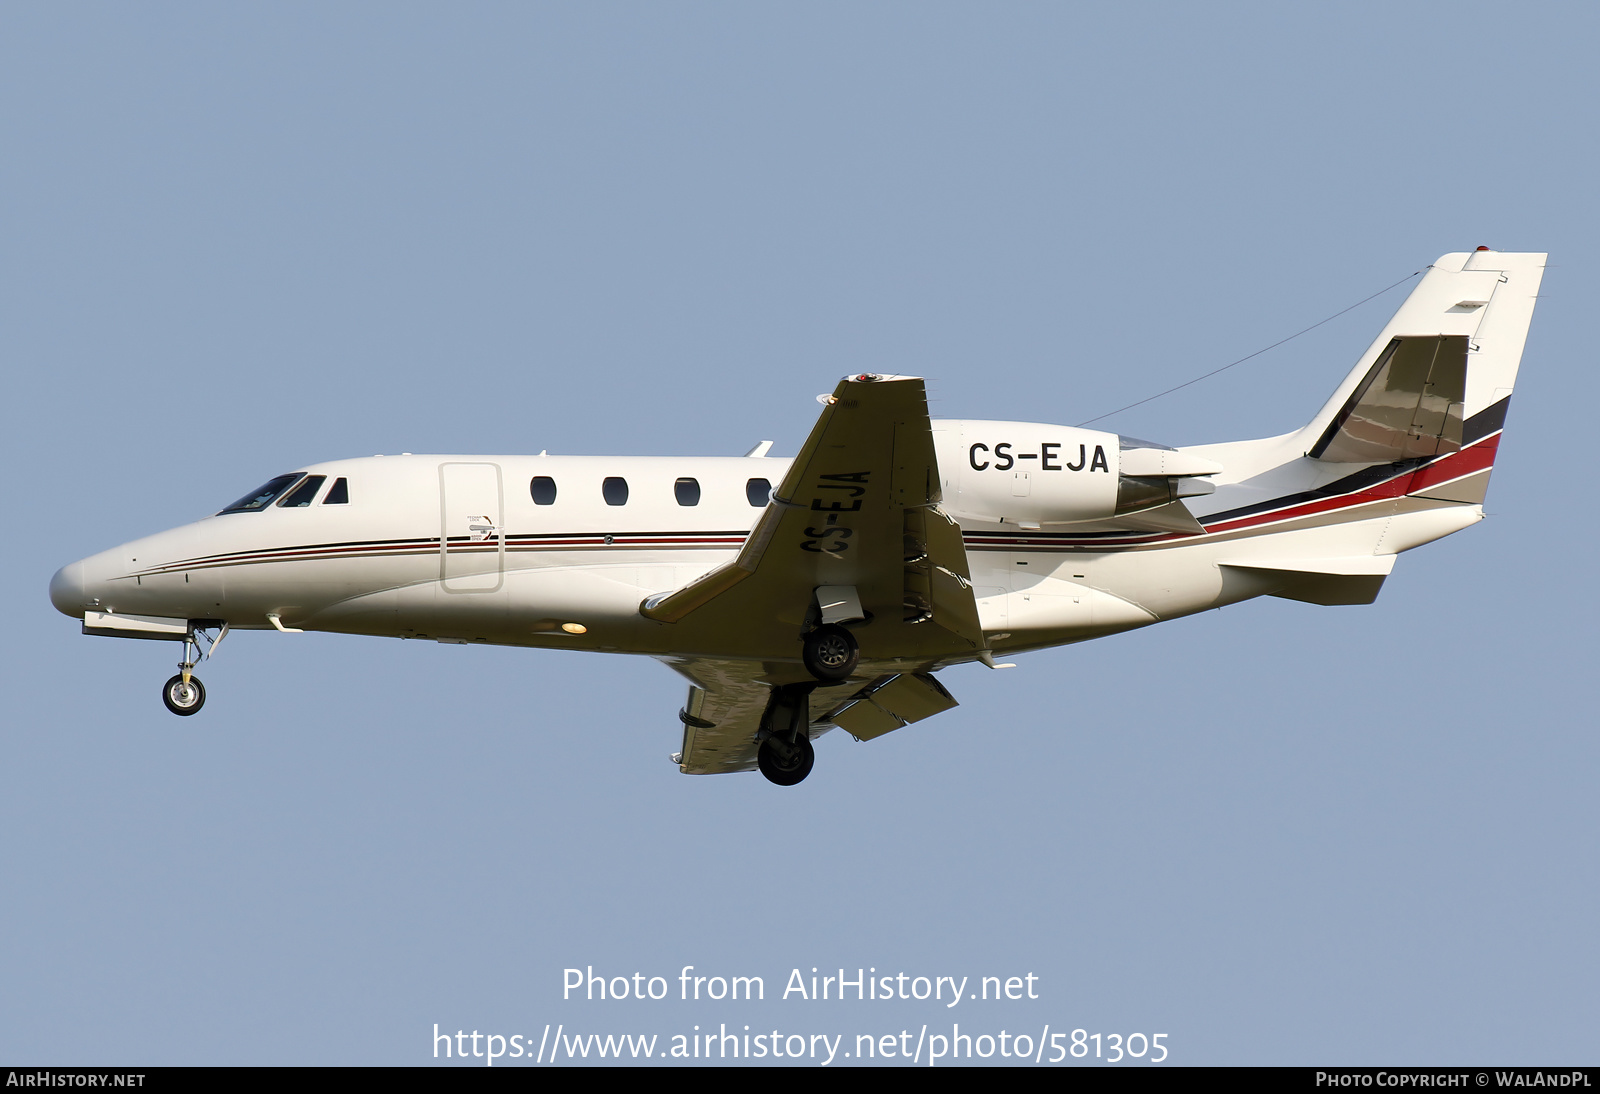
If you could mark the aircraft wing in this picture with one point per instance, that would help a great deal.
(853, 534)
(724, 709)
(728, 699)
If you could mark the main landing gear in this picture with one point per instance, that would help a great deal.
(786, 762)
(830, 653)
(785, 755)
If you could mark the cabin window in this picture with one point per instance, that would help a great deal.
(687, 491)
(543, 489)
(756, 492)
(615, 491)
(257, 500)
(339, 493)
(303, 495)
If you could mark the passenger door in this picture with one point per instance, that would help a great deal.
(471, 538)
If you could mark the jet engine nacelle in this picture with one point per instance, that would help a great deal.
(1033, 474)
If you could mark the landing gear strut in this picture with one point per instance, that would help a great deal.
(184, 694)
(785, 755)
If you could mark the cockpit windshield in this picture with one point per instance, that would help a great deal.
(257, 500)
(300, 497)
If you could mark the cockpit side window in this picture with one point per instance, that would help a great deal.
(338, 493)
(304, 494)
(257, 500)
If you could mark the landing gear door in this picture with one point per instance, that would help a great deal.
(471, 539)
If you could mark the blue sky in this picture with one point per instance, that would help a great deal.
(241, 239)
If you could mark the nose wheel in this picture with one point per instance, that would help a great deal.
(184, 694)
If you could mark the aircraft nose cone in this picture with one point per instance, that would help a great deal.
(66, 590)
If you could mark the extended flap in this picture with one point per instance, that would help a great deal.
(891, 702)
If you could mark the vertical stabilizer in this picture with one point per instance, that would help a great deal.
(1434, 385)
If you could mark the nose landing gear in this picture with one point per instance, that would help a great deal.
(184, 694)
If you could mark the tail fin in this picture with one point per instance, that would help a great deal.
(1399, 456)
(1434, 386)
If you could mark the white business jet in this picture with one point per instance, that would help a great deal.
(827, 590)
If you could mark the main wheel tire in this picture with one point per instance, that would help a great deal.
(184, 699)
(831, 652)
(784, 763)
